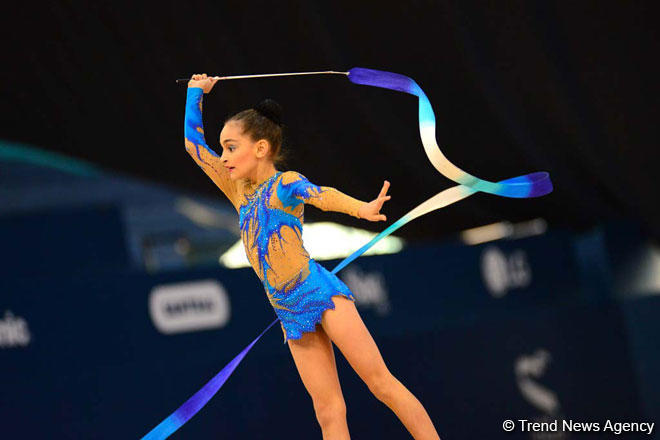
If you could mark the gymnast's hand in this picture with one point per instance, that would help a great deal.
(371, 211)
(204, 82)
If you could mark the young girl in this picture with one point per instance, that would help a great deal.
(303, 294)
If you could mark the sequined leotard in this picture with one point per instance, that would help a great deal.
(271, 219)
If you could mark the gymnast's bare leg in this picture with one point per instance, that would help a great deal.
(345, 328)
(315, 360)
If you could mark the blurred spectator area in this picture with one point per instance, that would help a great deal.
(58, 212)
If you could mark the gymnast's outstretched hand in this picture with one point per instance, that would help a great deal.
(371, 211)
(206, 83)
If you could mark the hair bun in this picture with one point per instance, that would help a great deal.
(270, 109)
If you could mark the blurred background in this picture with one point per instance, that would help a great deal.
(124, 284)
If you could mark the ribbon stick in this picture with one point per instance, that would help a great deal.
(525, 186)
(268, 75)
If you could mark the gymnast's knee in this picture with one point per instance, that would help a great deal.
(382, 385)
(329, 411)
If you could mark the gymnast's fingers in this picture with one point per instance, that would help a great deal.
(383, 191)
(193, 80)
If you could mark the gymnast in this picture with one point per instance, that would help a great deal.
(315, 308)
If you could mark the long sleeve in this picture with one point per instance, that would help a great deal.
(295, 189)
(196, 146)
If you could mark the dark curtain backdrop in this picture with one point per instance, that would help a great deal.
(566, 87)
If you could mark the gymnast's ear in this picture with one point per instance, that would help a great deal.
(262, 148)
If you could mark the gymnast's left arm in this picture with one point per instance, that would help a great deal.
(295, 189)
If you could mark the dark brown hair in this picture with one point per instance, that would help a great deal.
(264, 121)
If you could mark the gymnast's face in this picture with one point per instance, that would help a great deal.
(240, 153)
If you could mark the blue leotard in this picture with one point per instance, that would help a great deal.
(271, 220)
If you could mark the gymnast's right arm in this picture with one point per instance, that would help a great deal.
(196, 146)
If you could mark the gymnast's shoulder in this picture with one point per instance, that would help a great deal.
(288, 177)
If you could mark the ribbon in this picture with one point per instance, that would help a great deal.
(529, 185)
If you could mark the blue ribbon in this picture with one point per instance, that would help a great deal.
(525, 186)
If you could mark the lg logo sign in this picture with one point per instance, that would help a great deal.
(502, 272)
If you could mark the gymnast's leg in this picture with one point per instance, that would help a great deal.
(345, 328)
(315, 359)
